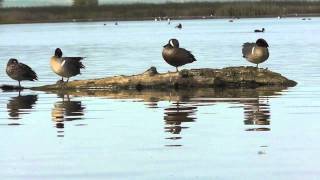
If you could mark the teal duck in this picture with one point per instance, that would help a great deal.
(256, 52)
(66, 66)
(20, 72)
(176, 56)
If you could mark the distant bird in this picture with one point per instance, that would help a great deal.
(179, 26)
(176, 56)
(256, 52)
(258, 30)
(20, 72)
(116, 23)
(230, 20)
(66, 66)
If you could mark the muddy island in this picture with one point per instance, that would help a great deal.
(230, 77)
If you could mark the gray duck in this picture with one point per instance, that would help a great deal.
(20, 72)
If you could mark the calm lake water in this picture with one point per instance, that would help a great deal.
(200, 134)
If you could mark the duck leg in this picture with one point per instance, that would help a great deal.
(177, 69)
(67, 80)
(19, 85)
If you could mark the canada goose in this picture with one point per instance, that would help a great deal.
(19, 71)
(258, 30)
(176, 56)
(66, 66)
(256, 52)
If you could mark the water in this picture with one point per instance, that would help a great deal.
(200, 134)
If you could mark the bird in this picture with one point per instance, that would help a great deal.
(65, 66)
(176, 56)
(20, 72)
(256, 52)
(258, 30)
(179, 26)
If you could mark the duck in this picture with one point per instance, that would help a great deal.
(176, 56)
(258, 30)
(20, 72)
(65, 67)
(256, 52)
(179, 26)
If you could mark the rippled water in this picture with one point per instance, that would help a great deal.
(199, 134)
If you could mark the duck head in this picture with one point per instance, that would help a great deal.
(262, 43)
(13, 61)
(58, 53)
(172, 43)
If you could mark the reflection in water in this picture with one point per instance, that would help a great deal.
(66, 110)
(257, 113)
(177, 115)
(21, 105)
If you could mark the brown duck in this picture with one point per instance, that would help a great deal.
(66, 66)
(176, 56)
(20, 72)
(256, 52)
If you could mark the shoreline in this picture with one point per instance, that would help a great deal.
(174, 11)
(164, 19)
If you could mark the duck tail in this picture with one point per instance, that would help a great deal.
(246, 48)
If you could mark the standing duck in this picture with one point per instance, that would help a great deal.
(66, 66)
(20, 72)
(256, 52)
(176, 56)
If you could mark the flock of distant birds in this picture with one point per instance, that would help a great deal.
(66, 67)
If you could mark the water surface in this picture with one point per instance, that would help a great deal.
(200, 134)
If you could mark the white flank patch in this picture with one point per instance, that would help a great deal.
(252, 51)
(63, 62)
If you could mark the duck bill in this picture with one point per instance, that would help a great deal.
(167, 45)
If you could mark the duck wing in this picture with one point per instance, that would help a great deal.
(247, 49)
(73, 61)
(184, 55)
(27, 72)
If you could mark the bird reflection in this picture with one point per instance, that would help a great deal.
(257, 113)
(66, 110)
(175, 116)
(21, 104)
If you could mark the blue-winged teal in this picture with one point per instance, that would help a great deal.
(20, 72)
(256, 52)
(66, 66)
(176, 56)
